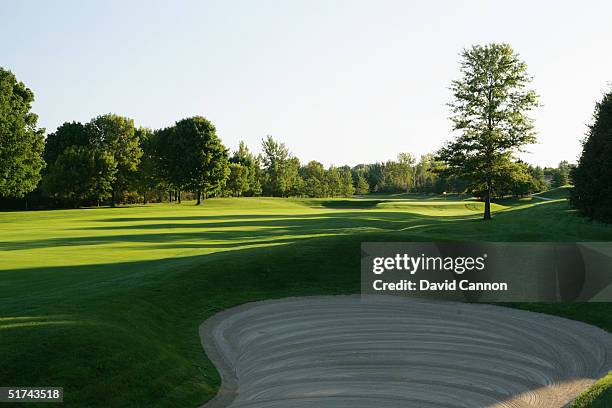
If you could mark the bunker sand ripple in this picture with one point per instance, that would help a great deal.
(390, 352)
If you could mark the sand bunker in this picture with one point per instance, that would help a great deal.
(345, 351)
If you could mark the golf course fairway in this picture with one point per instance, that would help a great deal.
(107, 302)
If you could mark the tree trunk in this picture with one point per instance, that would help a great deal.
(487, 210)
(179, 196)
(113, 197)
(144, 197)
(198, 194)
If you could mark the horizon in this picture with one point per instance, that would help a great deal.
(306, 73)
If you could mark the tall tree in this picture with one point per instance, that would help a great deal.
(250, 165)
(400, 173)
(313, 174)
(334, 181)
(592, 178)
(362, 185)
(513, 180)
(169, 152)
(490, 107)
(281, 168)
(196, 158)
(425, 177)
(21, 142)
(238, 180)
(560, 175)
(538, 180)
(80, 175)
(148, 178)
(376, 176)
(66, 135)
(347, 188)
(117, 136)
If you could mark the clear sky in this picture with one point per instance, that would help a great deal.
(342, 82)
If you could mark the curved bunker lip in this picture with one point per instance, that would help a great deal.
(381, 351)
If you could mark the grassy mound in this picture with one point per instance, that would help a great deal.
(558, 193)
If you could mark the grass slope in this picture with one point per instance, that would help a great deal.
(555, 193)
(107, 302)
(598, 396)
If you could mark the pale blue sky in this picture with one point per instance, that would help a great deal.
(342, 82)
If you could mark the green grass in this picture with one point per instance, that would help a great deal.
(556, 193)
(598, 396)
(107, 302)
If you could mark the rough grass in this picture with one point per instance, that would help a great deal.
(598, 396)
(107, 302)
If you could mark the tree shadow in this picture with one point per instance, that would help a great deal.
(248, 230)
(350, 204)
(142, 316)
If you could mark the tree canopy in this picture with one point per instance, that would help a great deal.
(592, 178)
(109, 160)
(80, 175)
(490, 112)
(192, 156)
(117, 136)
(21, 141)
(281, 168)
(244, 178)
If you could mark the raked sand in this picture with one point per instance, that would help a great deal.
(353, 352)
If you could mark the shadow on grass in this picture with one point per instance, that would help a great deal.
(516, 223)
(142, 341)
(351, 204)
(249, 230)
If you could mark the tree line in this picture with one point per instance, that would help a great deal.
(109, 160)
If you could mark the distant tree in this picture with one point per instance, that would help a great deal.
(313, 175)
(560, 176)
(251, 165)
(148, 177)
(313, 169)
(333, 180)
(21, 142)
(280, 168)
(592, 178)
(313, 187)
(238, 180)
(297, 186)
(425, 176)
(169, 152)
(67, 135)
(490, 107)
(204, 159)
(116, 136)
(514, 179)
(362, 185)
(81, 175)
(346, 182)
(406, 164)
(376, 176)
(538, 180)
(400, 173)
